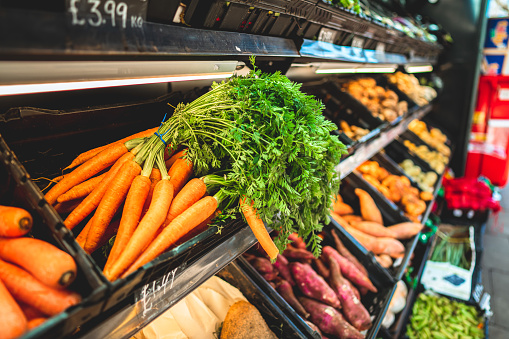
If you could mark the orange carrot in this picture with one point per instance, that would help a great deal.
(82, 237)
(49, 264)
(111, 230)
(190, 193)
(198, 229)
(14, 221)
(146, 230)
(12, 320)
(83, 157)
(91, 167)
(67, 207)
(155, 177)
(179, 227)
(29, 311)
(369, 210)
(36, 322)
(110, 202)
(81, 190)
(130, 217)
(94, 198)
(24, 287)
(258, 228)
(174, 158)
(179, 173)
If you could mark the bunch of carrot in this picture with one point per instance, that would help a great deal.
(33, 276)
(149, 209)
(369, 230)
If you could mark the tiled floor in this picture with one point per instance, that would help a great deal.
(495, 269)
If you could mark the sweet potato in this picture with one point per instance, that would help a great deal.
(373, 228)
(381, 245)
(405, 230)
(349, 270)
(297, 241)
(329, 320)
(314, 327)
(341, 208)
(297, 254)
(351, 218)
(321, 268)
(384, 260)
(270, 276)
(369, 210)
(353, 310)
(312, 285)
(286, 291)
(262, 265)
(340, 247)
(355, 290)
(281, 265)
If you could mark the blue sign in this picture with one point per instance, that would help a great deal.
(497, 33)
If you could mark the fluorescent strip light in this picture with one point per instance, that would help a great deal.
(70, 86)
(419, 69)
(335, 70)
(356, 70)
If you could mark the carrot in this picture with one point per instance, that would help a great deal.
(146, 230)
(36, 322)
(190, 193)
(29, 311)
(198, 229)
(24, 287)
(374, 229)
(174, 158)
(83, 157)
(369, 211)
(111, 230)
(131, 214)
(381, 245)
(47, 263)
(14, 221)
(179, 173)
(110, 202)
(12, 320)
(257, 226)
(405, 230)
(155, 177)
(91, 167)
(179, 227)
(94, 198)
(82, 237)
(81, 190)
(67, 207)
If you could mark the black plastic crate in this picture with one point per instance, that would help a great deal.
(375, 303)
(18, 190)
(398, 152)
(265, 298)
(391, 215)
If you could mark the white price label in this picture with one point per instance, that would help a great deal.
(380, 48)
(357, 42)
(97, 13)
(503, 94)
(151, 293)
(327, 35)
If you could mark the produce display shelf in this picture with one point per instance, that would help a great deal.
(166, 292)
(365, 152)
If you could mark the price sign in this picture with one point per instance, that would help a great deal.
(357, 42)
(114, 13)
(327, 35)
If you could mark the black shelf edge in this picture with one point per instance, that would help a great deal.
(36, 34)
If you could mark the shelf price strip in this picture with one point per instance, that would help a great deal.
(112, 13)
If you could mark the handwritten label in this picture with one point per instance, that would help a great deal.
(114, 13)
(327, 35)
(357, 42)
(150, 293)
